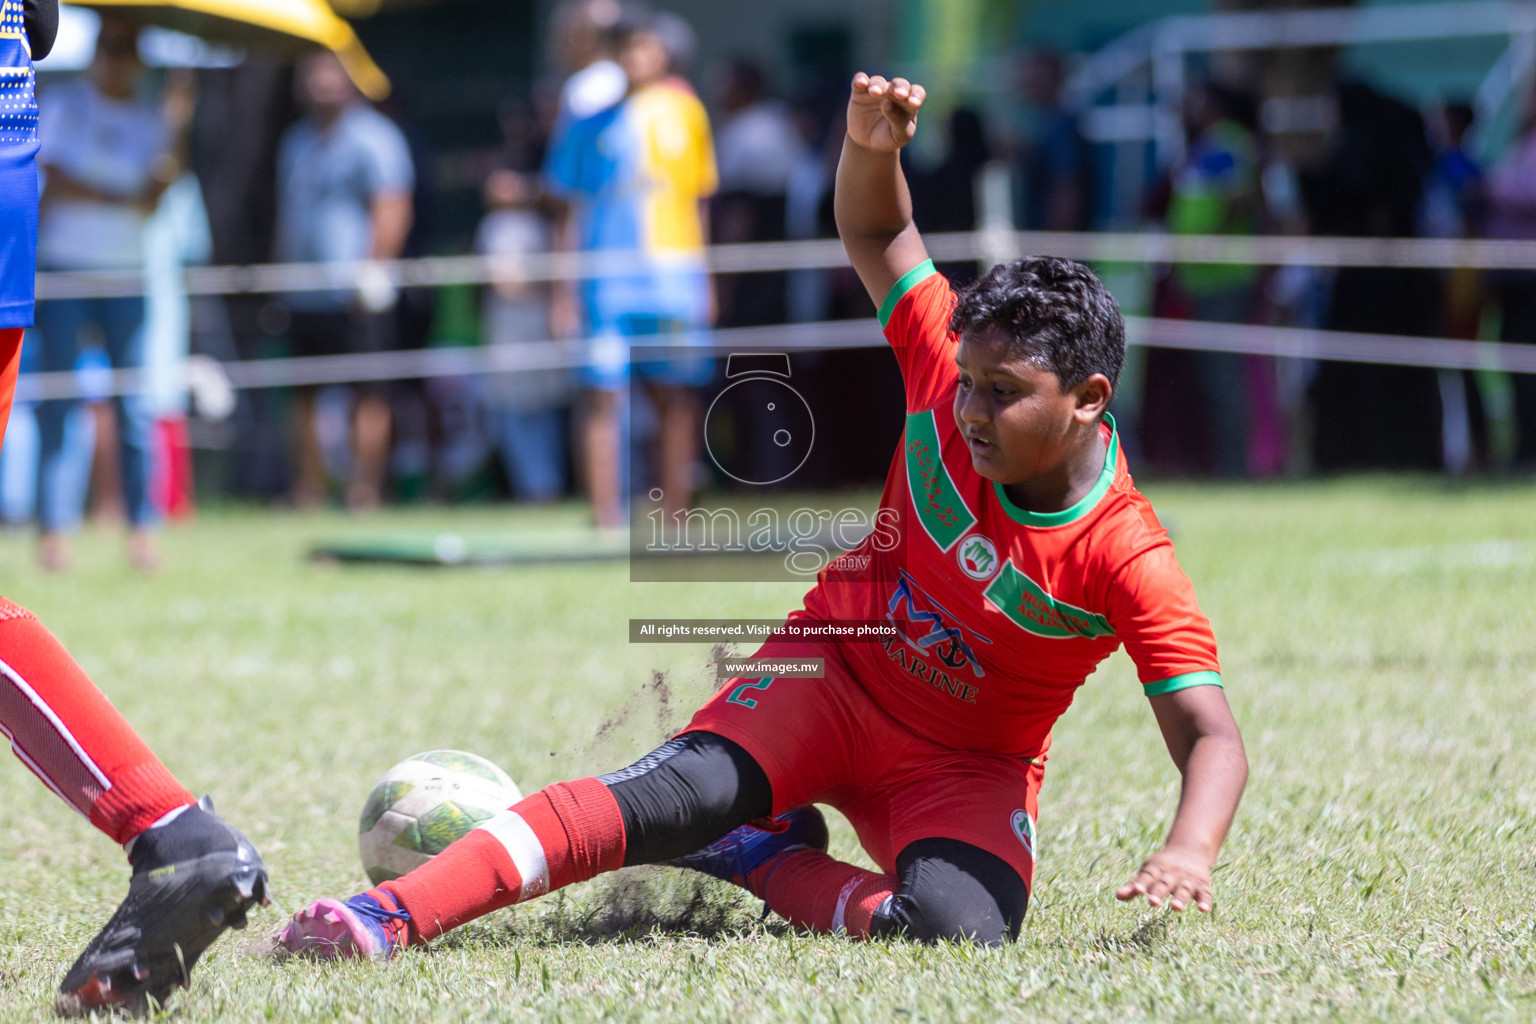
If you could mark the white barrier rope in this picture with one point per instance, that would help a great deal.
(758, 257)
(205, 377)
(1340, 346)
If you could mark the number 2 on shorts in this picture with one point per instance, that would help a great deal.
(738, 695)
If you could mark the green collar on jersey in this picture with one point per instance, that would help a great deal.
(1084, 506)
(908, 281)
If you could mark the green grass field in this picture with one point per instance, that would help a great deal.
(1379, 643)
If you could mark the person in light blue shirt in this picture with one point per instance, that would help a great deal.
(345, 180)
(637, 178)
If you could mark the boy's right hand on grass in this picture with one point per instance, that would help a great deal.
(882, 114)
(1174, 876)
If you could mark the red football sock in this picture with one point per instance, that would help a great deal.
(565, 833)
(811, 890)
(72, 738)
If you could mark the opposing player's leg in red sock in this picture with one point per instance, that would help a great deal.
(812, 891)
(685, 793)
(565, 833)
(71, 736)
(192, 878)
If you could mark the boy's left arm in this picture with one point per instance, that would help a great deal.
(1205, 744)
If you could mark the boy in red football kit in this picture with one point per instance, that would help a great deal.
(1023, 557)
(193, 875)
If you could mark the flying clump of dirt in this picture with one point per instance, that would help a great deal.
(717, 654)
(621, 738)
(655, 697)
(661, 699)
(644, 900)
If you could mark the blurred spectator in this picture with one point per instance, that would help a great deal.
(1294, 295)
(582, 41)
(638, 176)
(1214, 190)
(681, 43)
(758, 143)
(1380, 417)
(807, 208)
(758, 147)
(1054, 163)
(345, 182)
(944, 196)
(1452, 207)
(1452, 204)
(526, 123)
(417, 316)
(107, 158)
(526, 410)
(238, 173)
(176, 236)
(1512, 214)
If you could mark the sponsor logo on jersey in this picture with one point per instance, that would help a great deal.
(1033, 610)
(1024, 828)
(923, 672)
(940, 508)
(977, 556)
(927, 626)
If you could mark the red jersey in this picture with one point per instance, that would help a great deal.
(1002, 613)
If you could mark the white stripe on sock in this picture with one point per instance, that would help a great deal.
(37, 770)
(523, 846)
(47, 712)
(842, 903)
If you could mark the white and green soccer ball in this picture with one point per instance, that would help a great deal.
(423, 804)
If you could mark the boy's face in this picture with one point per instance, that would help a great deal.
(1015, 417)
(644, 58)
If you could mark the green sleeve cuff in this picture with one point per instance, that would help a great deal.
(908, 281)
(1175, 683)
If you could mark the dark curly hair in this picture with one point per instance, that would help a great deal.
(1058, 313)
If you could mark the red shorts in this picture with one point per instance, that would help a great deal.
(10, 364)
(825, 741)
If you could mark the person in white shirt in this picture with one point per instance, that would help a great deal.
(757, 149)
